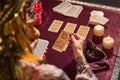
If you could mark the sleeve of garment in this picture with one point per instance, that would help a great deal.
(36, 71)
(52, 73)
(84, 72)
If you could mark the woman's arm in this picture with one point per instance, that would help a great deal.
(84, 72)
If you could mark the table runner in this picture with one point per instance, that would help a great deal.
(115, 3)
(116, 71)
(65, 60)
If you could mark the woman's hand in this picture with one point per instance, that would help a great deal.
(34, 44)
(77, 43)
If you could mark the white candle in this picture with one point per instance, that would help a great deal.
(108, 42)
(98, 30)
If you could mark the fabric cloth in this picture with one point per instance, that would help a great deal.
(65, 60)
(96, 57)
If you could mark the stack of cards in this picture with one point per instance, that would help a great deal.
(98, 13)
(61, 41)
(97, 17)
(55, 26)
(83, 31)
(95, 20)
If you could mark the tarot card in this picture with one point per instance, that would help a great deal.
(62, 6)
(70, 27)
(61, 41)
(74, 11)
(83, 31)
(40, 48)
(55, 26)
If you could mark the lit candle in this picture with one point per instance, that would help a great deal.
(108, 42)
(98, 30)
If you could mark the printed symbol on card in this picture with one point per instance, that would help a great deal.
(55, 26)
(64, 36)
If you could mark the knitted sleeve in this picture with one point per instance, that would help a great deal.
(84, 72)
(35, 71)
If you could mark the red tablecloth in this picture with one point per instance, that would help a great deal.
(65, 60)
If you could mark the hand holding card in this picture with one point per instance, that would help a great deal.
(40, 48)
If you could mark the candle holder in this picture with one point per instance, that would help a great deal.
(38, 19)
(108, 52)
(37, 7)
(97, 39)
(91, 25)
